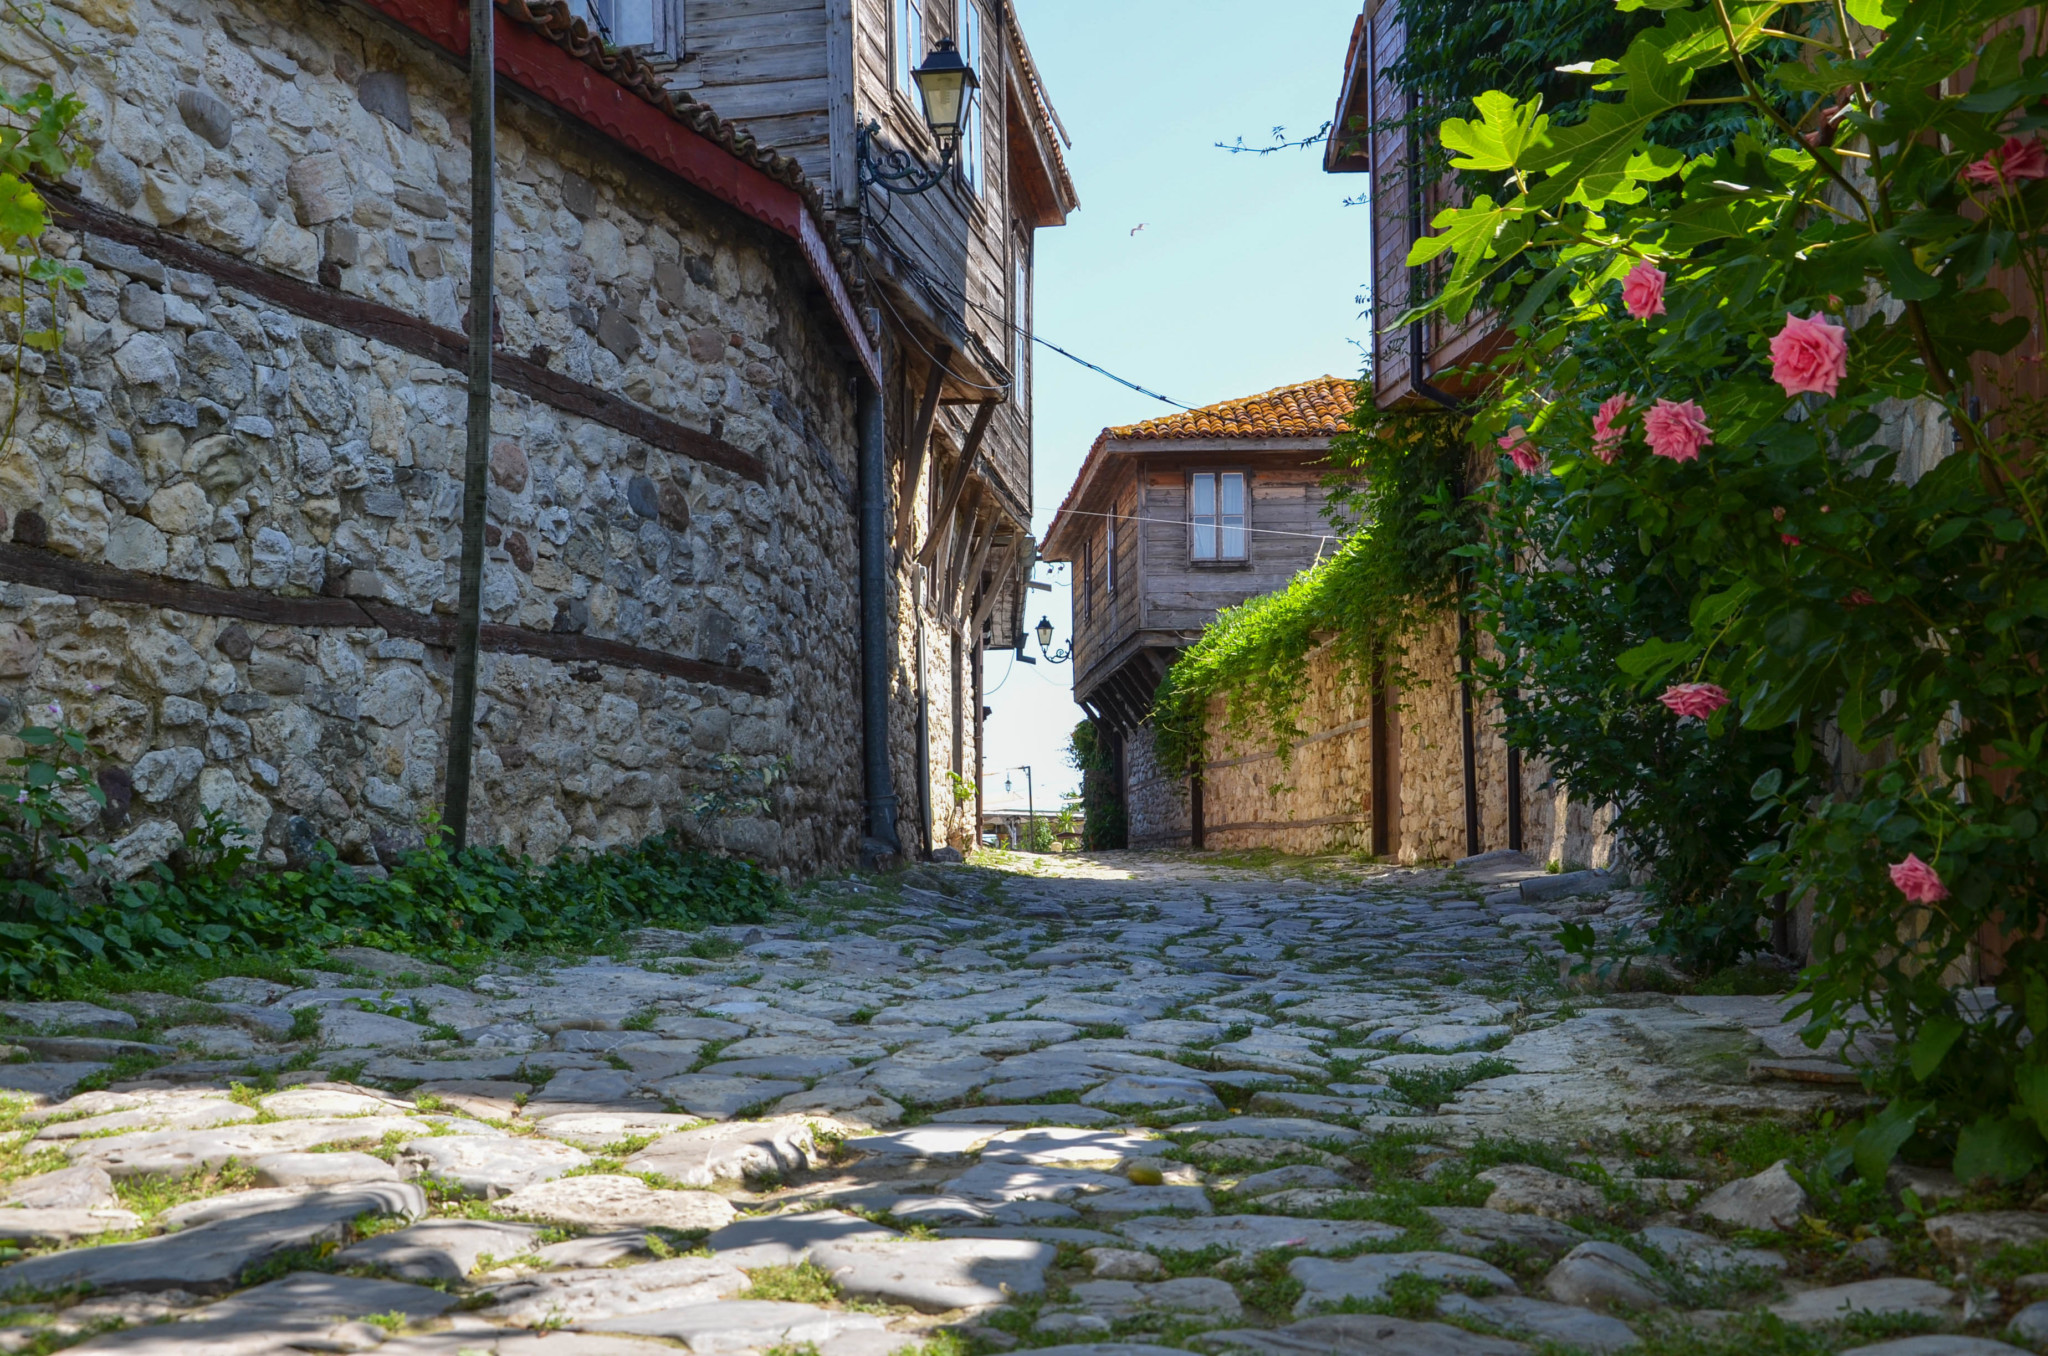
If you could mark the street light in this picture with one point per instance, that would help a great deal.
(945, 85)
(1044, 633)
(1030, 802)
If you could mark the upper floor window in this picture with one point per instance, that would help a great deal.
(1109, 557)
(1216, 515)
(910, 45)
(655, 26)
(972, 150)
(1020, 316)
(1088, 579)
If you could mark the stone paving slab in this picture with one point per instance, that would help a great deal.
(934, 1277)
(211, 1256)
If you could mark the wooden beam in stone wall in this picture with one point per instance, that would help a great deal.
(61, 574)
(384, 324)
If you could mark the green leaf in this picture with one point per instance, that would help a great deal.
(1653, 658)
(1766, 786)
(1505, 133)
(1879, 1141)
(1877, 13)
(1937, 1037)
(2002, 1148)
(2030, 1088)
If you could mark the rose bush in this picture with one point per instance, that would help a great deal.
(1825, 528)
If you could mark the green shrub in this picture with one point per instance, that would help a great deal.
(59, 916)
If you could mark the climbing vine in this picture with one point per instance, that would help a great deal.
(1399, 498)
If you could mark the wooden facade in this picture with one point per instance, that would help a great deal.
(948, 278)
(1142, 591)
(1369, 134)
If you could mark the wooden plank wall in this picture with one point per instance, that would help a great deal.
(1180, 595)
(960, 239)
(763, 64)
(1390, 223)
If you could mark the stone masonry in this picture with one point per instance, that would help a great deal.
(192, 431)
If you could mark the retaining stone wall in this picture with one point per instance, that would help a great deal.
(193, 430)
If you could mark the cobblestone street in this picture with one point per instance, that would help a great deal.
(1106, 1105)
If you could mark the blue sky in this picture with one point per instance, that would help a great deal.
(1246, 275)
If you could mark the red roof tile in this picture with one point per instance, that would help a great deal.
(1308, 409)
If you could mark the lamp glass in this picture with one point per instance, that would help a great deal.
(947, 85)
(1044, 629)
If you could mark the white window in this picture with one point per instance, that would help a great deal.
(655, 26)
(1216, 526)
(1020, 318)
(1109, 559)
(909, 45)
(971, 148)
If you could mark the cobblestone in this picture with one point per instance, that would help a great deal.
(1114, 1106)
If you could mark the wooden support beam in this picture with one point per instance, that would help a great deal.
(970, 582)
(969, 456)
(995, 588)
(966, 521)
(920, 444)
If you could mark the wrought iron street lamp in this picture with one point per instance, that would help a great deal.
(946, 85)
(1044, 632)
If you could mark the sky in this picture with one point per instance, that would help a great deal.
(1247, 273)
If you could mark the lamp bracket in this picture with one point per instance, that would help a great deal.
(897, 171)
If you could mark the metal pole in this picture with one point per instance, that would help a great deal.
(881, 840)
(1031, 809)
(476, 458)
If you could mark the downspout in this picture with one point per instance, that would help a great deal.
(1465, 713)
(880, 841)
(483, 307)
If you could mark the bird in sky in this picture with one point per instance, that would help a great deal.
(1139, 227)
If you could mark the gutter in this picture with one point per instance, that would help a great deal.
(534, 57)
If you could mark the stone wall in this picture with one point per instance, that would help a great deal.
(249, 501)
(1157, 808)
(1318, 799)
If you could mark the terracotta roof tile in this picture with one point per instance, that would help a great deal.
(1308, 409)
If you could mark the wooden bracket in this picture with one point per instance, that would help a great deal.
(970, 456)
(920, 443)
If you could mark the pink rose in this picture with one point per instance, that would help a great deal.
(1809, 354)
(1788, 539)
(1694, 699)
(1858, 598)
(2015, 162)
(1642, 291)
(1607, 432)
(1515, 442)
(1677, 429)
(1917, 881)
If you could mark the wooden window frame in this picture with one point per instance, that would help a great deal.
(1109, 555)
(1218, 561)
(1088, 578)
(973, 161)
(668, 26)
(903, 58)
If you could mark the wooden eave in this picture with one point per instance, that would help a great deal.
(1344, 152)
(1034, 133)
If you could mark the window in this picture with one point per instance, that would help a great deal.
(655, 26)
(1109, 558)
(1088, 579)
(1020, 317)
(909, 45)
(971, 149)
(1216, 526)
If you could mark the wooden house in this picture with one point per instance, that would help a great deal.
(948, 271)
(1169, 522)
(1415, 363)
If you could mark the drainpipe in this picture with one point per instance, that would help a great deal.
(880, 841)
(1470, 741)
(477, 455)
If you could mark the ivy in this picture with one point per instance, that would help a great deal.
(1399, 498)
